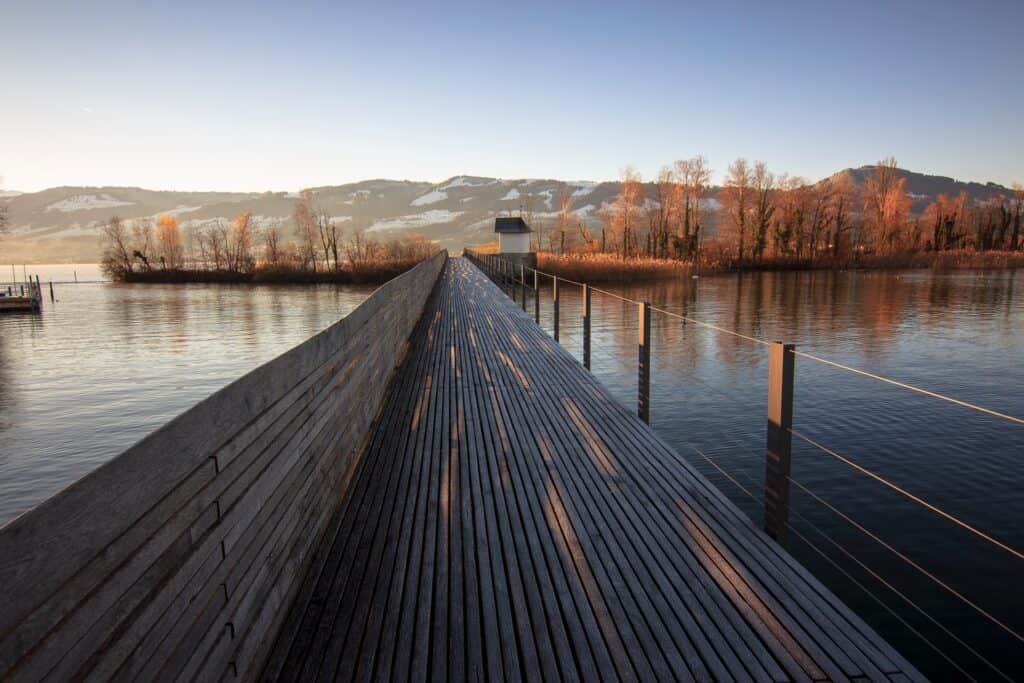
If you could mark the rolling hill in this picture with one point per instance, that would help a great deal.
(63, 223)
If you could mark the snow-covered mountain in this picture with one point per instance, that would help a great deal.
(63, 223)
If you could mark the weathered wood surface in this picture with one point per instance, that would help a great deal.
(510, 520)
(178, 559)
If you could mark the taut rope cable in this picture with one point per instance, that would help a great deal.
(861, 586)
(967, 601)
(709, 325)
(908, 494)
(864, 588)
(810, 356)
(615, 296)
(911, 387)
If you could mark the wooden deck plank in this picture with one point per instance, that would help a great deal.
(510, 520)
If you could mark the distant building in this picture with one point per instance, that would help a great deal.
(514, 240)
(513, 235)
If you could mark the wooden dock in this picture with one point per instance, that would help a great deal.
(510, 520)
(431, 488)
(20, 296)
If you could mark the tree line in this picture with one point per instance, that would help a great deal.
(148, 245)
(757, 215)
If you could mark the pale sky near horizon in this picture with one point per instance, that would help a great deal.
(252, 96)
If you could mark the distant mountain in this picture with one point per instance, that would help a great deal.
(923, 189)
(63, 223)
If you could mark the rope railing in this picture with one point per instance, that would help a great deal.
(910, 387)
(902, 556)
(802, 354)
(865, 589)
(874, 574)
(907, 494)
(780, 430)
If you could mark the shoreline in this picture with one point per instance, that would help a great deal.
(609, 268)
(376, 274)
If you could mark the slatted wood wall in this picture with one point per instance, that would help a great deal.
(178, 558)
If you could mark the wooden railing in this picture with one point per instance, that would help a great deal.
(178, 558)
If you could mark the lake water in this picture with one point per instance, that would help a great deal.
(959, 334)
(109, 363)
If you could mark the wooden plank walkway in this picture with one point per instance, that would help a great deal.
(510, 520)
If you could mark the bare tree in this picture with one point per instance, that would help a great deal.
(272, 248)
(565, 214)
(240, 242)
(306, 228)
(694, 175)
(142, 242)
(842, 199)
(886, 204)
(1018, 205)
(665, 213)
(328, 231)
(736, 198)
(118, 258)
(624, 216)
(170, 245)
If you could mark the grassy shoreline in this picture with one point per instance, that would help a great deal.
(371, 274)
(610, 268)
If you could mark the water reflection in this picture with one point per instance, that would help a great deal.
(959, 333)
(109, 363)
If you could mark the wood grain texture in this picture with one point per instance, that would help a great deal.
(178, 558)
(510, 520)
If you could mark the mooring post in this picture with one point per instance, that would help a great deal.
(522, 283)
(536, 297)
(586, 326)
(554, 303)
(643, 383)
(781, 361)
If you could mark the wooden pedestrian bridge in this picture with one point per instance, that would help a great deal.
(431, 488)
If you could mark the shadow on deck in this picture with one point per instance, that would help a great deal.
(510, 519)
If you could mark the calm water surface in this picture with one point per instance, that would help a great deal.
(960, 334)
(108, 363)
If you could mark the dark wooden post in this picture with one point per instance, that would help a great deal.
(586, 326)
(554, 303)
(51, 291)
(781, 361)
(643, 384)
(536, 297)
(522, 284)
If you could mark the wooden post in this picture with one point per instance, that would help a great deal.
(536, 297)
(643, 384)
(586, 326)
(51, 291)
(554, 304)
(781, 361)
(522, 283)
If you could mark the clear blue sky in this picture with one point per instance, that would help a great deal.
(214, 95)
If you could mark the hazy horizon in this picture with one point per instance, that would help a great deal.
(248, 98)
(440, 181)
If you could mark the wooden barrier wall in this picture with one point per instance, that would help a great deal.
(178, 558)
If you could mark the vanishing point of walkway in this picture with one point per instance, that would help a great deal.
(510, 520)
